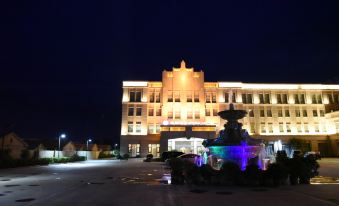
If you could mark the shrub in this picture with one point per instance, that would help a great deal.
(192, 173)
(149, 156)
(253, 175)
(137, 156)
(125, 156)
(207, 172)
(76, 157)
(230, 173)
(275, 175)
(281, 157)
(103, 155)
(177, 170)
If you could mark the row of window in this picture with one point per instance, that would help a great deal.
(134, 149)
(131, 127)
(246, 98)
(286, 127)
(286, 113)
(191, 96)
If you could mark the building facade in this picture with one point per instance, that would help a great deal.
(180, 111)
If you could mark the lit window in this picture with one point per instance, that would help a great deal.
(135, 95)
(269, 113)
(208, 112)
(251, 113)
(267, 98)
(177, 114)
(177, 96)
(262, 113)
(280, 113)
(150, 128)
(262, 127)
(170, 96)
(157, 128)
(297, 113)
(130, 111)
(279, 99)
(189, 114)
(189, 96)
(281, 127)
(197, 114)
(158, 111)
(299, 98)
(247, 98)
(208, 97)
(134, 149)
(299, 127)
(138, 113)
(150, 112)
(252, 127)
(215, 112)
(304, 113)
(226, 97)
(233, 97)
(196, 96)
(261, 98)
(170, 114)
(288, 127)
(151, 96)
(157, 96)
(306, 127)
(322, 113)
(130, 127)
(316, 127)
(214, 97)
(284, 98)
(270, 127)
(138, 127)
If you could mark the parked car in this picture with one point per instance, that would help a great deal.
(170, 154)
(316, 155)
(193, 158)
(296, 153)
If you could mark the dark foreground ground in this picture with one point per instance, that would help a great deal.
(133, 182)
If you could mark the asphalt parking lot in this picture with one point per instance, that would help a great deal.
(133, 182)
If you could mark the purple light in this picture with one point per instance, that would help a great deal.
(237, 154)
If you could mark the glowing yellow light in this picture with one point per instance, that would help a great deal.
(203, 129)
(134, 84)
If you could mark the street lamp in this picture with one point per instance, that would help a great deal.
(89, 140)
(62, 136)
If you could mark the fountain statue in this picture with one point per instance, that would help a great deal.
(233, 144)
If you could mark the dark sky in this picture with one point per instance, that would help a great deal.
(62, 63)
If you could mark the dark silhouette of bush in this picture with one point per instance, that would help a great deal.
(207, 172)
(253, 175)
(275, 175)
(192, 173)
(230, 173)
(177, 170)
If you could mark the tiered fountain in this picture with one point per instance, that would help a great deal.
(233, 143)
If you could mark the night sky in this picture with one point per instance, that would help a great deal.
(62, 63)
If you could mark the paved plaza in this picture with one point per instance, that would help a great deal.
(133, 182)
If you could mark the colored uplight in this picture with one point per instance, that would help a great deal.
(237, 154)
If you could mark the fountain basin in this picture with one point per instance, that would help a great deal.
(217, 155)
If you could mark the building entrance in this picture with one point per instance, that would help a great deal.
(191, 145)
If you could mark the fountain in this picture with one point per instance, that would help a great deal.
(233, 144)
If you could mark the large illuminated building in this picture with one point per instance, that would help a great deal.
(180, 111)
